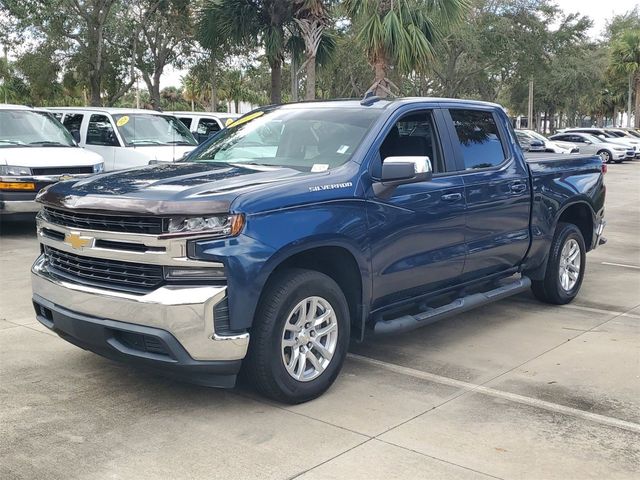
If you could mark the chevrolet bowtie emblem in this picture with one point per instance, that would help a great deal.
(78, 241)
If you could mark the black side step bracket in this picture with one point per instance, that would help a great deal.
(406, 323)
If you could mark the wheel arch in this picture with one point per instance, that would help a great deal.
(580, 214)
(338, 260)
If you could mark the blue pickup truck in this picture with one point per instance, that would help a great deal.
(303, 226)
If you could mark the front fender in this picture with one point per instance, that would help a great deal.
(273, 237)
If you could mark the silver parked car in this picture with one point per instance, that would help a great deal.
(548, 145)
(590, 144)
(604, 134)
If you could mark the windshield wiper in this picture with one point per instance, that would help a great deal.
(49, 144)
(142, 142)
(179, 142)
(12, 142)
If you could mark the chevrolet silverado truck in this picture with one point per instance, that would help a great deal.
(303, 226)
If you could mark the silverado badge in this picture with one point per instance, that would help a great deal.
(78, 241)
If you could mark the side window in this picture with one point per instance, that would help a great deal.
(57, 116)
(186, 121)
(414, 135)
(479, 139)
(72, 121)
(207, 126)
(576, 139)
(100, 132)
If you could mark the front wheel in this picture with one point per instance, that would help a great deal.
(605, 156)
(300, 336)
(565, 267)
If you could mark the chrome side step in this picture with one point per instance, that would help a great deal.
(406, 323)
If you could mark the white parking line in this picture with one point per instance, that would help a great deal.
(514, 397)
(621, 265)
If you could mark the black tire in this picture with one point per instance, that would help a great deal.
(550, 289)
(605, 155)
(264, 366)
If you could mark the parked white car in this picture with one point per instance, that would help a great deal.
(590, 144)
(609, 137)
(551, 146)
(36, 151)
(127, 137)
(205, 124)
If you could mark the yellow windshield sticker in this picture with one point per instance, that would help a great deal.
(122, 121)
(228, 122)
(246, 119)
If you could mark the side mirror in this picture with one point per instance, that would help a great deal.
(76, 135)
(588, 142)
(403, 170)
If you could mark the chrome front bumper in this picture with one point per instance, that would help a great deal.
(186, 312)
(19, 206)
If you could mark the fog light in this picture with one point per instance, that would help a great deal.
(194, 273)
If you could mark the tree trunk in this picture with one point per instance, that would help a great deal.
(236, 103)
(214, 86)
(636, 122)
(94, 88)
(311, 79)
(276, 80)
(294, 79)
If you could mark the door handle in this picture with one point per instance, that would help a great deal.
(518, 187)
(451, 197)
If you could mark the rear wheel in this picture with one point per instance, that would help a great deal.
(300, 336)
(565, 267)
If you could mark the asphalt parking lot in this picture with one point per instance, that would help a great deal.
(512, 390)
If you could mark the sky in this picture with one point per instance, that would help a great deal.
(598, 10)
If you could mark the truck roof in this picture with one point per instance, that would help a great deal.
(383, 103)
(9, 106)
(110, 110)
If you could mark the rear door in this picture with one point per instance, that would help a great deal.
(496, 189)
(417, 231)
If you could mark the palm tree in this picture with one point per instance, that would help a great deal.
(401, 33)
(312, 18)
(625, 57)
(252, 23)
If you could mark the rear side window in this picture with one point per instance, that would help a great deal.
(207, 126)
(186, 121)
(479, 139)
(72, 121)
(100, 132)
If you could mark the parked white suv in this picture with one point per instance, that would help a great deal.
(127, 137)
(205, 124)
(36, 151)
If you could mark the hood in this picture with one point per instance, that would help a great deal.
(176, 188)
(43, 157)
(163, 153)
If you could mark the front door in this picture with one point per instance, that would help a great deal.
(417, 231)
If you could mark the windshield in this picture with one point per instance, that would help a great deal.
(310, 139)
(593, 138)
(537, 136)
(142, 129)
(633, 133)
(29, 128)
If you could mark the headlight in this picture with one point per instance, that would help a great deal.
(14, 171)
(620, 149)
(98, 167)
(220, 225)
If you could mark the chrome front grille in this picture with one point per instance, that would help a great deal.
(103, 273)
(109, 223)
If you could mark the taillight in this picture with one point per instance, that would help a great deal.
(604, 168)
